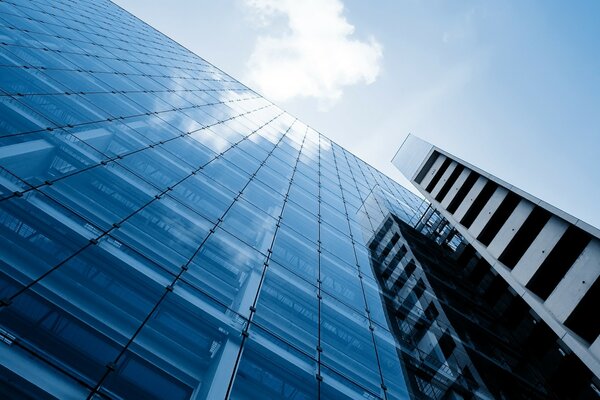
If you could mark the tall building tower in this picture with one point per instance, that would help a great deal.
(167, 233)
(533, 254)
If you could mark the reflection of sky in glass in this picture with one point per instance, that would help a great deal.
(162, 179)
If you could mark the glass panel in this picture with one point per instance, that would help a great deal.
(296, 253)
(341, 281)
(275, 371)
(288, 308)
(97, 195)
(228, 270)
(191, 337)
(336, 243)
(250, 225)
(391, 367)
(37, 234)
(17, 118)
(157, 167)
(274, 180)
(336, 386)
(110, 138)
(264, 198)
(348, 344)
(65, 110)
(57, 335)
(165, 231)
(137, 378)
(38, 157)
(128, 293)
(301, 221)
(226, 174)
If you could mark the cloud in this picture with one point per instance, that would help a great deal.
(313, 55)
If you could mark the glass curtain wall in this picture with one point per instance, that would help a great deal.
(167, 233)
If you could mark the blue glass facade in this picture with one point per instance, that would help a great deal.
(167, 233)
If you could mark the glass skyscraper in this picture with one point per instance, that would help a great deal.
(167, 233)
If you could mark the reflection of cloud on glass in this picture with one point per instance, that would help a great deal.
(315, 57)
(310, 151)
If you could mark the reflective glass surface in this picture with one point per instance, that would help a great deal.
(168, 233)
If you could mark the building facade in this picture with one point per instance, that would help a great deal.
(533, 253)
(167, 233)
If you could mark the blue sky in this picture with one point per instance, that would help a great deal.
(512, 87)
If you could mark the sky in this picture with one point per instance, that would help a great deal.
(512, 87)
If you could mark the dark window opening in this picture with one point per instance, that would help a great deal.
(480, 201)
(583, 320)
(466, 256)
(389, 246)
(462, 192)
(498, 219)
(481, 268)
(438, 175)
(495, 290)
(559, 261)
(427, 167)
(419, 288)
(391, 266)
(449, 183)
(410, 268)
(425, 322)
(401, 281)
(524, 237)
(431, 312)
(447, 344)
(470, 379)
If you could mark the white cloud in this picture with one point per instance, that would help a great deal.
(314, 56)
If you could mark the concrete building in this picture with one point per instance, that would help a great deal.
(546, 257)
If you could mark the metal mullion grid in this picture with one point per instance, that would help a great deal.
(56, 126)
(66, 12)
(382, 209)
(371, 323)
(359, 196)
(180, 46)
(245, 332)
(359, 192)
(122, 23)
(319, 281)
(116, 225)
(140, 73)
(108, 47)
(32, 351)
(120, 38)
(374, 196)
(113, 91)
(121, 156)
(59, 17)
(90, 21)
(381, 181)
(18, 5)
(184, 268)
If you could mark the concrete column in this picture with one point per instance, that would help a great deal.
(433, 170)
(510, 228)
(539, 249)
(455, 188)
(470, 198)
(442, 181)
(571, 289)
(487, 211)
